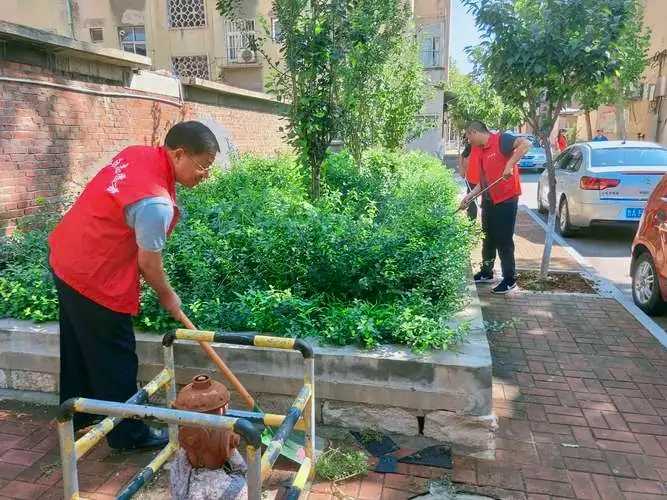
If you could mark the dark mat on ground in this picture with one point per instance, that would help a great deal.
(376, 444)
(433, 456)
(387, 464)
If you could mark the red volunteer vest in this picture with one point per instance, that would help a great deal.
(93, 249)
(487, 163)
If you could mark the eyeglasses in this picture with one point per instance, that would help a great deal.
(201, 167)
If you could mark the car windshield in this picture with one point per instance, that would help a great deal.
(629, 157)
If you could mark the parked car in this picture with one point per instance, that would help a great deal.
(535, 158)
(603, 183)
(648, 267)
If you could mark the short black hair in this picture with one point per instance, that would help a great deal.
(194, 137)
(478, 126)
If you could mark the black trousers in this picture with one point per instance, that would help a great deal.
(498, 223)
(472, 208)
(97, 359)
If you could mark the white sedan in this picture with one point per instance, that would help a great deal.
(603, 183)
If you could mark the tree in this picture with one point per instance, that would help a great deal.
(382, 107)
(539, 54)
(331, 53)
(476, 99)
(632, 57)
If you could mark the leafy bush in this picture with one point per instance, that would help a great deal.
(378, 258)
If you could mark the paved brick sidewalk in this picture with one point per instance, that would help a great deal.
(529, 242)
(580, 389)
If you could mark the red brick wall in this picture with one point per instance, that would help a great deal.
(54, 139)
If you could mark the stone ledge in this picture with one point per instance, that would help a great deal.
(388, 388)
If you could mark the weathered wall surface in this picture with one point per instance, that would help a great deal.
(54, 139)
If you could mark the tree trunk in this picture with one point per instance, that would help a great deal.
(551, 222)
(315, 170)
(589, 125)
(620, 119)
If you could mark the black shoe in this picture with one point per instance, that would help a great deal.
(504, 287)
(154, 438)
(482, 277)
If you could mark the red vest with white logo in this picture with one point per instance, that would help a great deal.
(93, 249)
(489, 161)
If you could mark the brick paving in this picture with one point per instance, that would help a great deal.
(579, 388)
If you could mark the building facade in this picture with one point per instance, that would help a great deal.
(189, 38)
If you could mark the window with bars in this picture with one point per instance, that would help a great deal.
(96, 35)
(430, 50)
(239, 34)
(186, 13)
(133, 39)
(191, 66)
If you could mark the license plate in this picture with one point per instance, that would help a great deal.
(634, 213)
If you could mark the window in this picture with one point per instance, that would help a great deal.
(191, 66)
(133, 39)
(239, 34)
(186, 13)
(276, 30)
(629, 157)
(96, 35)
(430, 50)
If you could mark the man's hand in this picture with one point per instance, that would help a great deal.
(508, 171)
(171, 303)
(465, 202)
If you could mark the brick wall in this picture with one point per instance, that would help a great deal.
(53, 140)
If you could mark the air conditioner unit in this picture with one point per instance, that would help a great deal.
(661, 87)
(247, 55)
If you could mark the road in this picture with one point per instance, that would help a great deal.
(606, 249)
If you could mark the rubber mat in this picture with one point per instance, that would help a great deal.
(376, 447)
(433, 456)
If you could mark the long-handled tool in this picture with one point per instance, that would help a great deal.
(501, 178)
(291, 449)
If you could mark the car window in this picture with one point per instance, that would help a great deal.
(563, 160)
(628, 157)
(576, 159)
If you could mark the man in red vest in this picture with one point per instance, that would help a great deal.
(495, 156)
(113, 234)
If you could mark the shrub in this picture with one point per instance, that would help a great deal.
(378, 258)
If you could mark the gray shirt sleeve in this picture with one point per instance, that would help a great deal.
(507, 143)
(150, 218)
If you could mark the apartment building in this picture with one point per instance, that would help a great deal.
(189, 38)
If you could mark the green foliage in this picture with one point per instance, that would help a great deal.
(631, 54)
(347, 69)
(474, 98)
(379, 258)
(539, 53)
(382, 88)
(336, 464)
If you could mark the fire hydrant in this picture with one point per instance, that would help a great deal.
(208, 465)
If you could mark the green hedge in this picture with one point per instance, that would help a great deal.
(378, 259)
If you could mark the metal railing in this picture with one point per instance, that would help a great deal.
(299, 417)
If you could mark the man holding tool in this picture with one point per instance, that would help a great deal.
(113, 234)
(496, 174)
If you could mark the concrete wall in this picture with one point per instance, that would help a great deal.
(47, 15)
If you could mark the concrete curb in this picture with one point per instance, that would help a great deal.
(605, 287)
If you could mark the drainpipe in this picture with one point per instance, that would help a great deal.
(70, 18)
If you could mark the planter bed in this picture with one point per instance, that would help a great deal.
(442, 395)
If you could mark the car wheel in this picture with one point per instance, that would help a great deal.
(565, 228)
(645, 286)
(540, 207)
